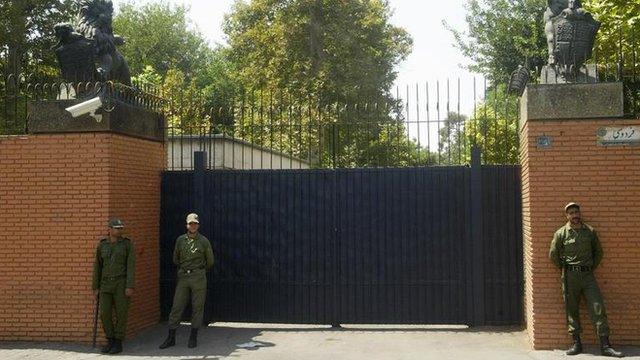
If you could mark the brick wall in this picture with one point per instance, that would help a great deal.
(56, 194)
(134, 196)
(605, 181)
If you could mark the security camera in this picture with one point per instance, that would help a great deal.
(87, 107)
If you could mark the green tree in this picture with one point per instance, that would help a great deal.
(217, 85)
(161, 35)
(453, 146)
(620, 27)
(26, 34)
(322, 55)
(183, 98)
(340, 50)
(26, 47)
(492, 127)
(165, 49)
(501, 35)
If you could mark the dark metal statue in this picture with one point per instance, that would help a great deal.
(571, 33)
(87, 49)
(519, 80)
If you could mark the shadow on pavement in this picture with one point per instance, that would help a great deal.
(222, 339)
(213, 342)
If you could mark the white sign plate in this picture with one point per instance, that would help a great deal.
(616, 135)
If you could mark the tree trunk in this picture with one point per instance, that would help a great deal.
(315, 38)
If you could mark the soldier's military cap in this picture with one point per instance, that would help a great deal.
(193, 218)
(570, 205)
(116, 224)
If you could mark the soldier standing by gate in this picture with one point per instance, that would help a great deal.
(576, 250)
(113, 279)
(193, 256)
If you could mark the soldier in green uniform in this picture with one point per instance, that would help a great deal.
(576, 250)
(113, 279)
(193, 256)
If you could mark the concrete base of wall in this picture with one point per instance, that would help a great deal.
(572, 101)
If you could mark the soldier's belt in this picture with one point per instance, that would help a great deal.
(579, 268)
(114, 277)
(191, 270)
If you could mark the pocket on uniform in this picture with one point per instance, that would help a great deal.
(199, 283)
(104, 254)
(570, 247)
(120, 256)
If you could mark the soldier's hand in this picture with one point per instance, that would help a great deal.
(96, 292)
(128, 292)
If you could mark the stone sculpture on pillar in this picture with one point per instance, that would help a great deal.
(571, 32)
(86, 50)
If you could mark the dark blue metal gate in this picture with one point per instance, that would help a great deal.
(433, 245)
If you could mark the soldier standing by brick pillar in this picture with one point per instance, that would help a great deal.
(576, 250)
(113, 279)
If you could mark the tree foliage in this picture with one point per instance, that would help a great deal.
(452, 143)
(339, 50)
(26, 48)
(161, 35)
(165, 49)
(501, 35)
(620, 28)
(492, 127)
(325, 54)
(26, 35)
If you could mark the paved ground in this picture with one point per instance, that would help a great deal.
(309, 343)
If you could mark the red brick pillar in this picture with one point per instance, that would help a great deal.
(564, 159)
(56, 193)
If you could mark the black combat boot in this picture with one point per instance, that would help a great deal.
(576, 348)
(607, 350)
(105, 349)
(170, 340)
(117, 347)
(193, 338)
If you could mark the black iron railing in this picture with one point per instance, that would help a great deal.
(435, 123)
(16, 91)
